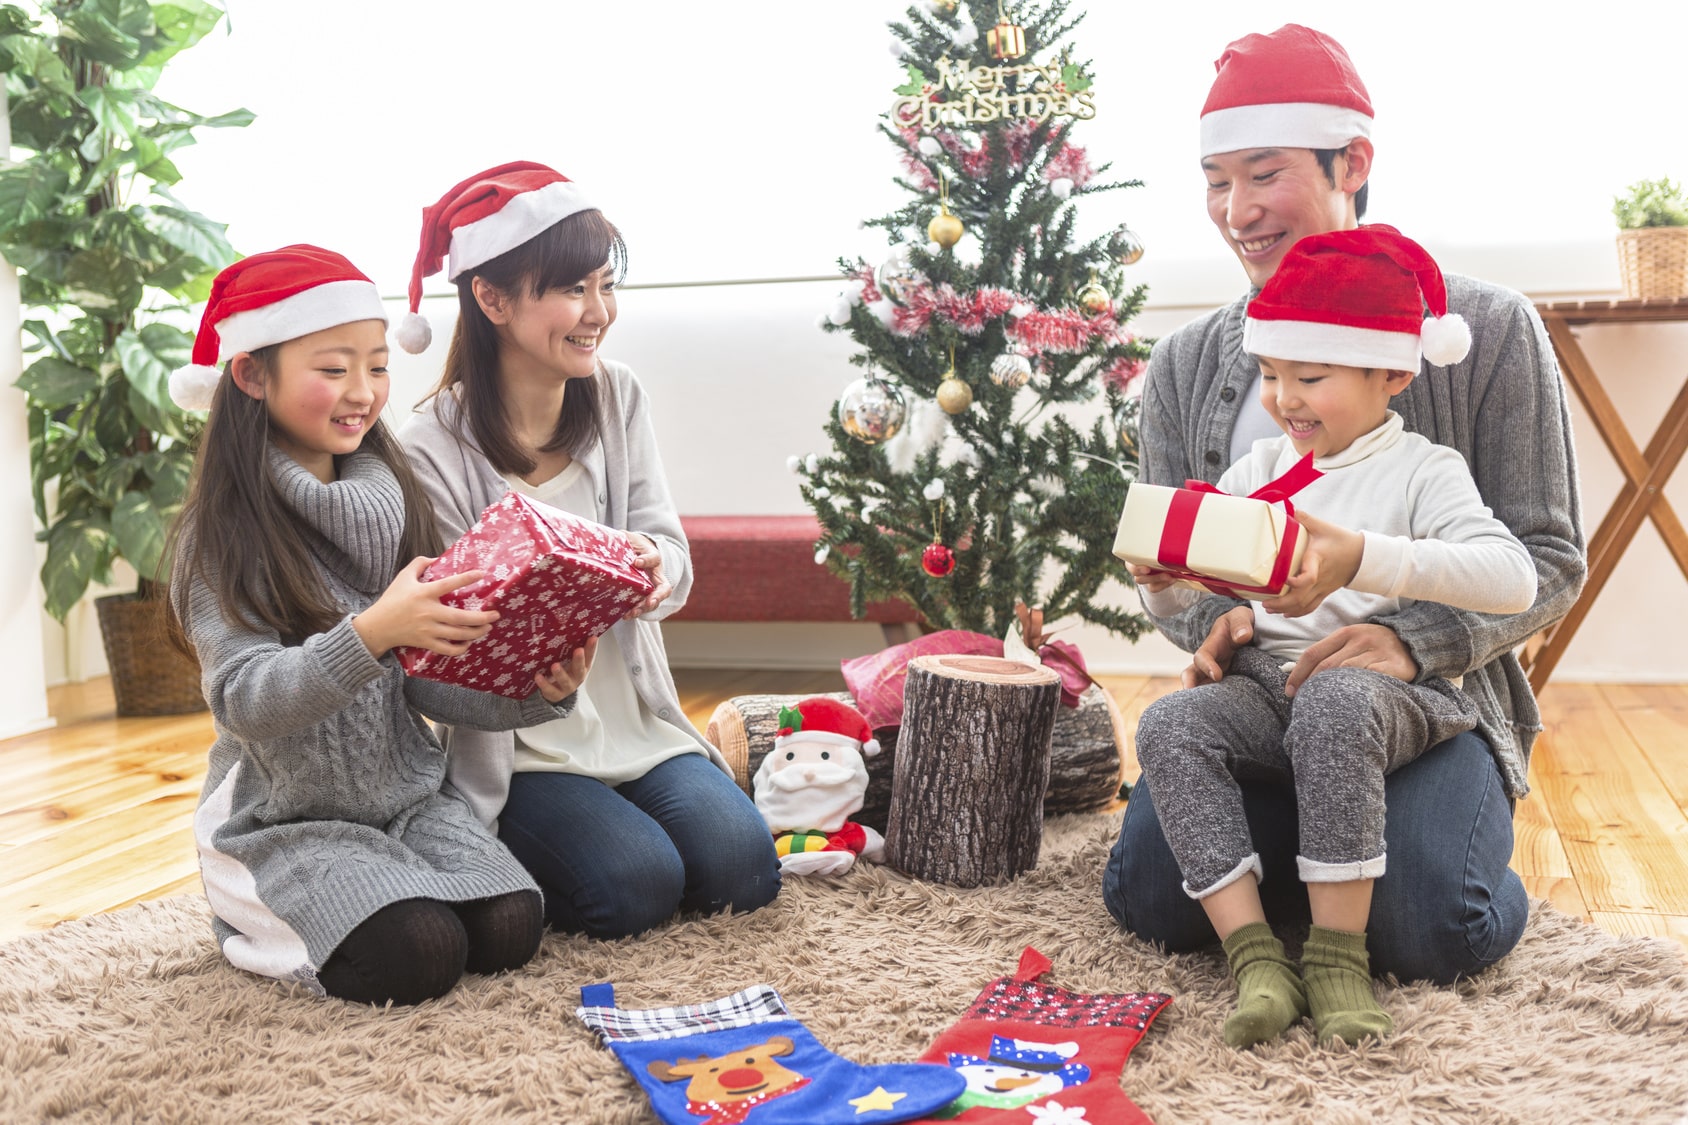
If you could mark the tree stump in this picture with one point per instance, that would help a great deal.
(1087, 755)
(972, 769)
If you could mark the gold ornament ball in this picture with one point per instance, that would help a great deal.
(945, 229)
(1094, 299)
(1131, 247)
(1011, 370)
(954, 396)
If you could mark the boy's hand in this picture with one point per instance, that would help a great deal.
(1233, 630)
(1150, 579)
(409, 613)
(561, 680)
(650, 559)
(1331, 561)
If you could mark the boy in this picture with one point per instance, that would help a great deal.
(1338, 331)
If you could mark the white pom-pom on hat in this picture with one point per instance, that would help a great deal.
(1446, 339)
(870, 748)
(192, 387)
(414, 333)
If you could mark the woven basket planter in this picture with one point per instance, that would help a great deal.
(149, 676)
(1654, 262)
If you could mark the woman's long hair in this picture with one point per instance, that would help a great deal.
(237, 533)
(556, 258)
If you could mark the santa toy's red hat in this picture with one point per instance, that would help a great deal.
(1294, 88)
(1357, 298)
(819, 719)
(488, 214)
(267, 299)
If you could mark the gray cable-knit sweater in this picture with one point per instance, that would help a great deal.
(1503, 408)
(326, 799)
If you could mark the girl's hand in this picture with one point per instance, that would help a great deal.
(562, 680)
(1150, 579)
(1331, 561)
(409, 613)
(650, 559)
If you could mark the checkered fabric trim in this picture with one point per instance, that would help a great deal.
(756, 1004)
(1010, 999)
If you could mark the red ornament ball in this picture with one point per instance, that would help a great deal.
(937, 560)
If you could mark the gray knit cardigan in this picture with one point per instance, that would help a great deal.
(627, 477)
(1503, 408)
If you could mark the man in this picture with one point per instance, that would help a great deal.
(1287, 153)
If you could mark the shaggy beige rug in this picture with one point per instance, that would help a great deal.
(134, 1016)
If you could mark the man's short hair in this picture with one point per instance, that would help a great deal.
(1327, 161)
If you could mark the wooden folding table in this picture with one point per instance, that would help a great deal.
(1645, 471)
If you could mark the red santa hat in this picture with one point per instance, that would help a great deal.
(1356, 298)
(1294, 88)
(267, 299)
(488, 214)
(819, 719)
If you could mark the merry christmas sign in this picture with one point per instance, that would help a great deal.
(556, 580)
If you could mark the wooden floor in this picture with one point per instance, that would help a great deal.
(95, 814)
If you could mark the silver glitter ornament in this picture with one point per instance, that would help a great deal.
(895, 278)
(872, 410)
(1130, 246)
(1011, 370)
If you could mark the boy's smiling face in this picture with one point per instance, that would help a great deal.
(1324, 407)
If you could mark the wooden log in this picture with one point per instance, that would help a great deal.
(1087, 755)
(973, 765)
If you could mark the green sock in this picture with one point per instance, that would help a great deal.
(1339, 987)
(1270, 995)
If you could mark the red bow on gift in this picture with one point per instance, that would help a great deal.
(1181, 522)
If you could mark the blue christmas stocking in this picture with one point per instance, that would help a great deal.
(743, 1059)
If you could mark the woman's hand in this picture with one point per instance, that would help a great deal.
(1230, 631)
(1150, 579)
(409, 612)
(561, 680)
(650, 559)
(1331, 561)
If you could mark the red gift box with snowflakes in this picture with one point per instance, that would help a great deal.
(556, 581)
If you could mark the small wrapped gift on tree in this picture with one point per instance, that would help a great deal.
(556, 580)
(1238, 546)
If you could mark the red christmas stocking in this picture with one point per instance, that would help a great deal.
(1040, 1055)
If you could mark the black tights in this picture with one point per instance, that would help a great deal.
(416, 949)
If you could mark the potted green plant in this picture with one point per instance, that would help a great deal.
(1653, 239)
(108, 262)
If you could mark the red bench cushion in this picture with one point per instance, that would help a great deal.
(762, 568)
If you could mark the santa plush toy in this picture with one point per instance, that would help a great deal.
(810, 783)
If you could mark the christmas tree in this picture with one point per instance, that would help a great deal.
(958, 480)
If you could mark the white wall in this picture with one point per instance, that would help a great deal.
(740, 142)
(23, 690)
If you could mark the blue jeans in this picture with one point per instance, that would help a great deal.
(1448, 905)
(616, 861)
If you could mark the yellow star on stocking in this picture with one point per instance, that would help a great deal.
(881, 1098)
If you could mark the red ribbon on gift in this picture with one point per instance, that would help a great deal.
(1174, 551)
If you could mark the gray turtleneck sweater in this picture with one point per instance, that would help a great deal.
(325, 799)
(1502, 407)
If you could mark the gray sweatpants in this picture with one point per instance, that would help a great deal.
(1344, 729)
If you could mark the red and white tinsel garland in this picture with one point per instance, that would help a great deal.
(1036, 331)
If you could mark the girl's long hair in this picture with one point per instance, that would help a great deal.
(557, 257)
(237, 534)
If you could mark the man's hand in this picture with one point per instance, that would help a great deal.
(1233, 629)
(1330, 562)
(650, 559)
(1355, 646)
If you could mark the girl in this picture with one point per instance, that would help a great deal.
(330, 852)
(622, 812)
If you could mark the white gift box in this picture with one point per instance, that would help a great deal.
(1235, 542)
